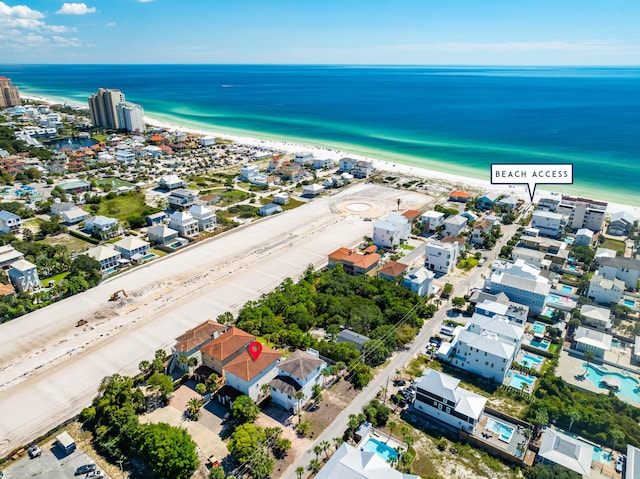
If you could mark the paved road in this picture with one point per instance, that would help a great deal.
(50, 369)
(461, 283)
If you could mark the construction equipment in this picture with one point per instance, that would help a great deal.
(116, 296)
(81, 322)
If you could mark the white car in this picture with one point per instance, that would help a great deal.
(95, 474)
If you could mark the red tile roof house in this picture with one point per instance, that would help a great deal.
(412, 215)
(392, 270)
(191, 342)
(460, 196)
(225, 348)
(353, 262)
(248, 376)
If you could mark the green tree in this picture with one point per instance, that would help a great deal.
(326, 446)
(303, 428)
(588, 357)
(261, 463)
(299, 397)
(282, 446)
(201, 389)
(616, 436)
(574, 415)
(217, 473)
(317, 449)
(161, 383)
(315, 465)
(316, 393)
(193, 408)
(299, 471)
(245, 440)
(553, 471)
(244, 409)
(360, 375)
(169, 451)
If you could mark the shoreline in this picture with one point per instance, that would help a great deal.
(453, 180)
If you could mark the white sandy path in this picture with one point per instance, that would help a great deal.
(197, 284)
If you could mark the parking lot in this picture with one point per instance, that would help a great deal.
(52, 464)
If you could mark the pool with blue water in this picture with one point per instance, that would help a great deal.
(380, 448)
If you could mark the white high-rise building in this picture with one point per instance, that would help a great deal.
(130, 116)
(102, 107)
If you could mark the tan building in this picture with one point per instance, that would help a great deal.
(102, 107)
(225, 348)
(9, 95)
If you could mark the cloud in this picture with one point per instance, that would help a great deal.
(111, 24)
(19, 11)
(75, 9)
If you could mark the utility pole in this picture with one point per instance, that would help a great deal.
(386, 389)
(120, 464)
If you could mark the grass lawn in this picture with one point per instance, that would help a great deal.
(467, 263)
(55, 279)
(113, 182)
(73, 244)
(231, 197)
(99, 137)
(616, 245)
(407, 247)
(158, 252)
(123, 206)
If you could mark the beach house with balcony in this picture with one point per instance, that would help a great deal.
(183, 223)
(132, 247)
(605, 291)
(432, 219)
(548, 223)
(391, 232)
(349, 462)
(453, 225)
(73, 215)
(596, 317)
(420, 281)
(588, 339)
(441, 257)
(521, 282)
(102, 227)
(269, 209)
(248, 375)
(162, 234)
(459, 196)
(392, 270)
(182, 199)
(625, 269)
(107, 256)
(189, 344)
(566, 451)
(514, 312)
(222, 349)
(24, 276)
(170, 182)
(9, 255)
(299, 372)
(621, 223)
(205, 218)
(353, 262)
(9, 223)
(583, 237)
(439, 396)
(487, 201)
(479, 232)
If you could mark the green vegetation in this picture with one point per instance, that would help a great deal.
(616, 245)
(113, 183)
(123, 206)
(553, 471)
(244, 409)
(467, 263)
(230, 197)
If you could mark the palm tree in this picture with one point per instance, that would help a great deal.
(325, 445)
(326, 372)
(616, 435)
(574, 415)
(144, 366)
(391, 425)
(398, 200)
(337, 441)
(317, 450)
(193, 408)
(264, 389)
(299, 471)
(588, 356)
(314, 465)
(299, 397)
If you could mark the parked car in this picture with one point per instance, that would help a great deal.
(85, 469)
(34, 451)
(95, 474)
(619, 464)
(399, 382)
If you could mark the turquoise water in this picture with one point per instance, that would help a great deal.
(629, 303)
(629, 386)
(538, 327)
(505, 432)
(380, 448)
(148, 256)
(566, 289)
(518, 380)
(600, 455)
(455, 120)
(540, 344)
(532, 358)
(548, 312)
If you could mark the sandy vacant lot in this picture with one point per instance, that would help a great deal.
(50, 369)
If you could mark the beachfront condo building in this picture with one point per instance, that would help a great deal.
(102, 107)
(583, 212)
(9, 95)
(130, 116)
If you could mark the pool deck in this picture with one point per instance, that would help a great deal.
(485, 435)
(570, 368)
(389, 441)
(532, 365)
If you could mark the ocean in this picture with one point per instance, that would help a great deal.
(456, 120)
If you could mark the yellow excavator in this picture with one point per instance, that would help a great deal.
(116, 296)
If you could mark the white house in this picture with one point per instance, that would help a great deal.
(486, 347)
(125, 156)
(9, 223)
(269, 209)
(592, 340)
(281, 198)
(596, 317)
(247, 172)
(349, 462)
(420, 281)
(346, 164)
(584, 237)
(299, 372)
(102, 226)
(170, 182)
(9, 255)
(439, 396)
(107, 257)
(386, 234)
(441, 257)
(58, 208)
(605, 291)
(24, 276)
(454, 225)
(521, 282)
(303, 158)
(309, 191)
(248, 376)
(621, 223)
(479, 231)
(182, 199)
(204, 216)
(73, 216)
(514, 312)
(132, 247)
(566, 451)
(183, 223)
(625, 269)
(548, 223)
(207, 141)
(433, 219)
(530, 256)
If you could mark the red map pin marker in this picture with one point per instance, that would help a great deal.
(255, 348)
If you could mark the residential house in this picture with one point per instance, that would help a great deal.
(248, 375)
(24, 276)
(281, 198)
(548, 223)
(522, 283)
(299, 372)
(583, 212)
(604, 253)
(625, 269)
(303, 158)
(532, 257)
(459, 196)
(479, 232)
(291, 171)
(132, 247)
(346, 164)
(73, 216)
(596, 317)
(592, 340)
(555, 252)
(362, 169)
(584, 237)
(508, 203)
(311, 191)
(420, 281)
(220, 351)
(102, 226)
(487, 346)
(439, 396)
(487, 201)
(470, 215)
(548, 204)
(9, 255)
(9, 223)
(349, 462)
(183, 223)
(566, 451)
(269, 209)
(605, 291)
(170, 182)
(453, 225)
(390, 233)
(392, 270)
(190, 343)
(632, 463)
(105, 255)
(514, 312)
(322, 163)
(248, 172)
(162, 235)
(157, 218)
(348, 336)
(441, 257)
(432, 219)
(58, 208)
(354, 263)
(182, 199)
(205, 218)
(621, 223)
(75, 186)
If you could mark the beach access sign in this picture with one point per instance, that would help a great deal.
(532, 174)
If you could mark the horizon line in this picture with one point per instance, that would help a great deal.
(393, 65)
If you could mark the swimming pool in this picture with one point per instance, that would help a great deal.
(566, 289)
(380, 448)
(148, 256)
(616, 343)
(628, 385)
(504, 432)
(109, 271)
(540, 343)
(600, 455)
(531, 359)
(519, 380)
(538, 327)
(629, 303)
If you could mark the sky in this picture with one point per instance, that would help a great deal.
(394, 32)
